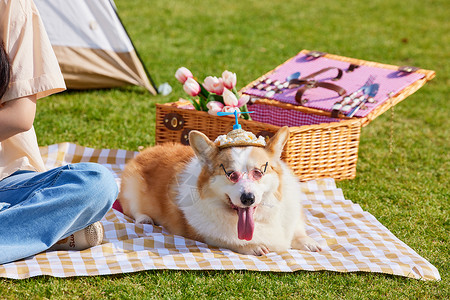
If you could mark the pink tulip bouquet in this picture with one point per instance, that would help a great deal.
(214, 94)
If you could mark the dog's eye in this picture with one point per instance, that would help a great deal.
(256, 174)
(234, 176)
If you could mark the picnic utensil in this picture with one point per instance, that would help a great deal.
(345, 104)
(293, 76)
(277, 87)
(269, 85)
(372, 90)
(364, 87)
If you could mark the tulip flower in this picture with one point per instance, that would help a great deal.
(182, 74)
(243, 100)
(229, 98)
(229, 79)
(214, 107)
(191, 87)
(232, 104)
(213, 85)
(230, 109)
(214, 94)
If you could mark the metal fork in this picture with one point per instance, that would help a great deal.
(348, 101)
(369, 81)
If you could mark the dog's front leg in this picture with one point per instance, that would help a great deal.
(301, 241)
(251, 249)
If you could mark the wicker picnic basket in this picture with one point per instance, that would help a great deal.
(328, 147)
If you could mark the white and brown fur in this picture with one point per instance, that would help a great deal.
(185, 190)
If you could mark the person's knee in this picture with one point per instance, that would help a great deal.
(97, 184)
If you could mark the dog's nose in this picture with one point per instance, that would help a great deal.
(247, 199)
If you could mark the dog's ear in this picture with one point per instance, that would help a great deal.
(203, 148)
(276, 144)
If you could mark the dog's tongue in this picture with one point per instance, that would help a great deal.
(246, 225)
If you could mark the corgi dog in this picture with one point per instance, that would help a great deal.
(238, 196)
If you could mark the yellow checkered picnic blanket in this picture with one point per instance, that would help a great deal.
(355, 240)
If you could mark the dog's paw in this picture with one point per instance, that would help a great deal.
(260, 250)
(306, 243)
(144, 219)
(257, 250)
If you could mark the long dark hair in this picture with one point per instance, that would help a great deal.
(5, 70)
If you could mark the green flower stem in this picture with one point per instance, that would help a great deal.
(203, 98)
(244, 108)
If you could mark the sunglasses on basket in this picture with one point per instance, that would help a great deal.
(254, 174)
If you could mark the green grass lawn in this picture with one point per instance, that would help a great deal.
(402, 178)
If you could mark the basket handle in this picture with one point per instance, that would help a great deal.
(315, 84)
(307, 83)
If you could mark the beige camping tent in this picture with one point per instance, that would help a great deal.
(92, 45)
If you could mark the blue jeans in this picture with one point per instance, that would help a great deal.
(39, 209)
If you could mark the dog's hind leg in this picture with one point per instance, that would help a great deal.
(132, 199)
(144, 219)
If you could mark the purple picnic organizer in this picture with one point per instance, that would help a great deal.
(390, 82)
